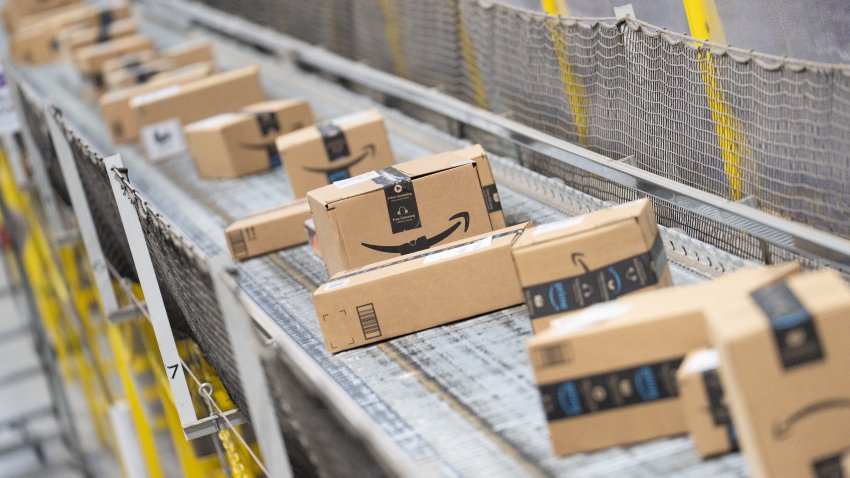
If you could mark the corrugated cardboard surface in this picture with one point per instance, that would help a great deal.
(37, 42)
(243, 142)
(174, 57)
(115, 105)
(404, 295)
(701, 396)
(309, 163)
(17, 13)
(91, 59)
(268, 231)
(72, 39)
(786, 377)
(355, 219)
(607, 372)
(568, 265)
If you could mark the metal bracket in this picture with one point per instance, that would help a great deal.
(153, 298)
(85, 222)
(125, 314)
(254, 385)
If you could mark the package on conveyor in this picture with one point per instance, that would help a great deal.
(161, 114)
(268, 231)
(607, 373)
(704, 409)
(17, 13)
(141, 67)
(406, 208)
(334, 150)
(72, 39)
(784, 360)
(399, 296)
(242, 142)
(38, 41)
(90, 59)
(115, 105)
(845, 463)
(579, 261)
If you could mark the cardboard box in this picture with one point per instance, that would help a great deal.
(38, 41)
(607, 373)
(334, 150)
(137, 68)
(600, 256)
(785, 355)
(90, 59)
(405, 209)
(238, 143)
(845, 463)
(268, 231)
(161, 114)
(115, 105)
(707, 417)
(72, 39)
(16, 12)
(407, 294)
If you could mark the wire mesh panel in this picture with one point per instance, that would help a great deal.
(730, 122)
(33, 114)
(183, 277)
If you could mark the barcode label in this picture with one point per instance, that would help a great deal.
(552, 355)
(368, 321)
(237, 243)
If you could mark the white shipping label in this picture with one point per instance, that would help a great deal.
(592, 315)
(554, 226)
(154, 95)
(163, 139)
(356, 179)
(703, 360)
(336, 284)
(9, 122)
(459, 251)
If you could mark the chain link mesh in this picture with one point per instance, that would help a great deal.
(730, 122)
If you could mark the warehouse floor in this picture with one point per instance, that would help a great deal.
(24, 392)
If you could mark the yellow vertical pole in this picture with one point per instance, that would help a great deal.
(705, 24)
(467, 50)
(394, 38)
(120, 346)
(574, 89)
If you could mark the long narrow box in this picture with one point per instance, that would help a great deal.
(600, 256)
(19, 12)
(268, 231)
(335, 150)
(404, 209)
(72, 39)
(706, 415)
(607, 373)
(115, 105)
(161, 114)
(242, 142)
(38, 42)
(143, 66)
(784, 360)
(91, 59)
(407, 294)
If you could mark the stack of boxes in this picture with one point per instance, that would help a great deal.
(757, 359)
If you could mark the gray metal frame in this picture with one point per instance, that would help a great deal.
(796, 237)
(193, 427)
(239, 329)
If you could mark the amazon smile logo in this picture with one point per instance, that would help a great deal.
(368, 152)
(424, 242)
(782, 428)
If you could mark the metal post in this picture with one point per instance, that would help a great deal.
(244, 340)
(153, 296)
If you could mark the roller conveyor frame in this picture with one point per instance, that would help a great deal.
(777, 230)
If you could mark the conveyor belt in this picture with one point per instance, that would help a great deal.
(459, 399)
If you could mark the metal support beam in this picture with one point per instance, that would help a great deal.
(153, 298)
(242, 336)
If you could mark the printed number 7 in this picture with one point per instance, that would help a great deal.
(174, 372)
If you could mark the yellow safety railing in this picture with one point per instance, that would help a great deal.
(705, 24)
(576, 95)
